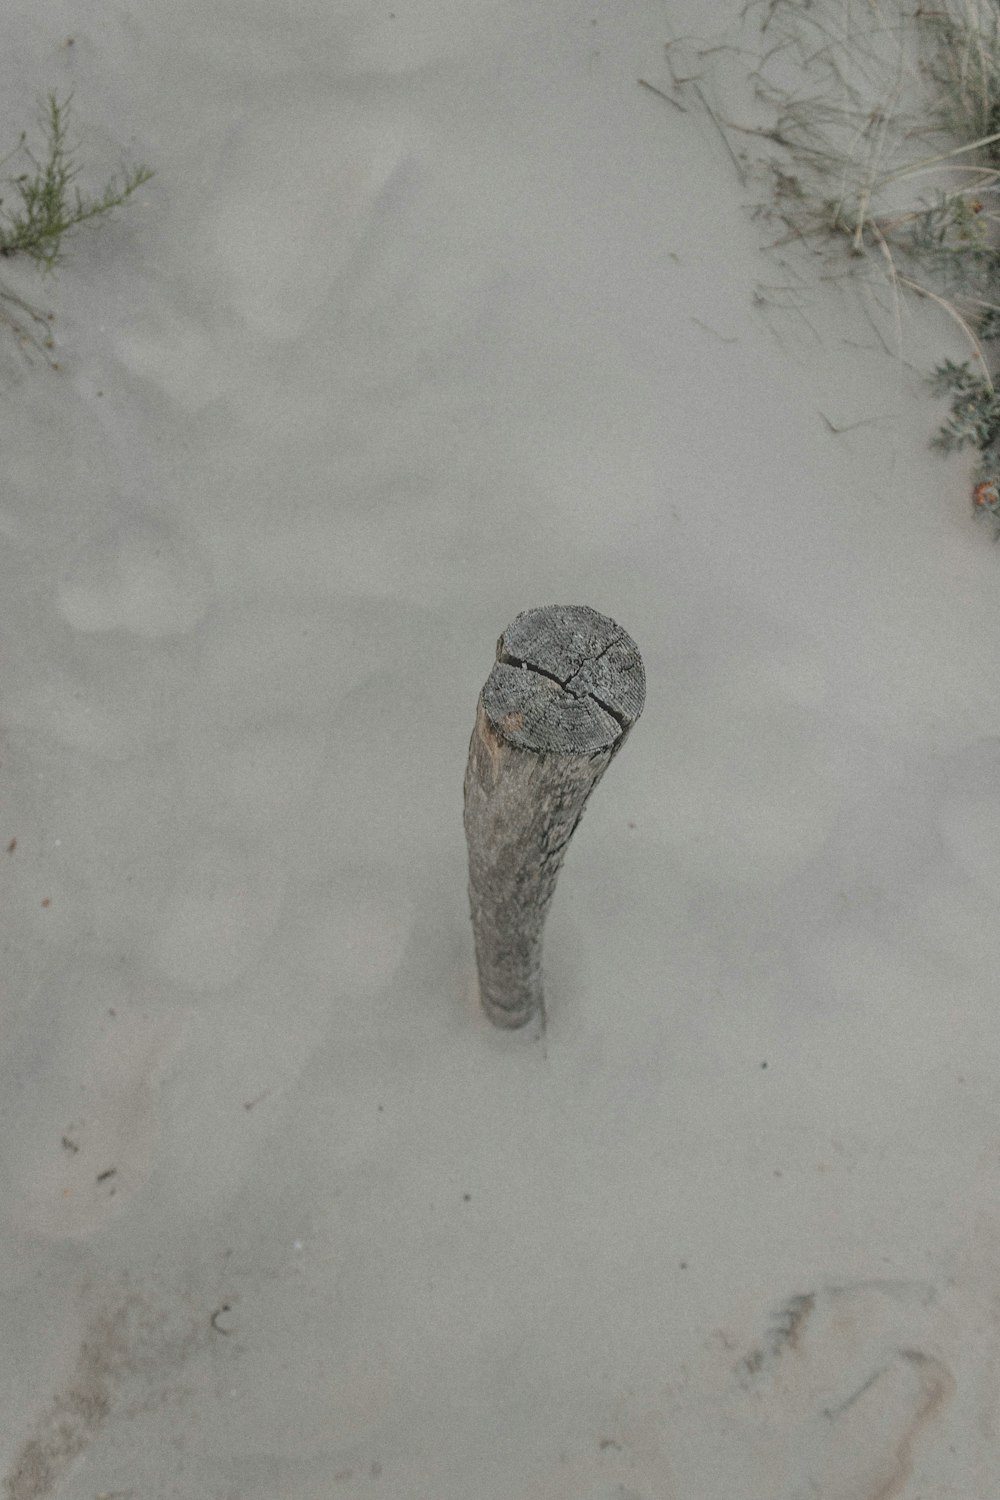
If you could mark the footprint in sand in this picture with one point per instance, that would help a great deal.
(357, 935)
(215, 921)
(80, 1129)
(131, 1357)
(753, 785)
(843, 1386)
(117, 700)
(843, 1399)
(139, 576)
(290, 257)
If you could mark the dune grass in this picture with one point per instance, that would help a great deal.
(877, 126)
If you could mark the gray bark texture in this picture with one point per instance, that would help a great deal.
(567, 686)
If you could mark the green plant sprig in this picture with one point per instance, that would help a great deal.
(50, 205)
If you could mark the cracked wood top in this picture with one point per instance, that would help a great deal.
(567, 680)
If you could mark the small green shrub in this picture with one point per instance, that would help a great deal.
(47, 205)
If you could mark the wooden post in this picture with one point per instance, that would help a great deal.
(567, 687)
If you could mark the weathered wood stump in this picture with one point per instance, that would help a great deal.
(567, 686)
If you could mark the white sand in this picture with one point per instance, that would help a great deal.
(430, 315)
